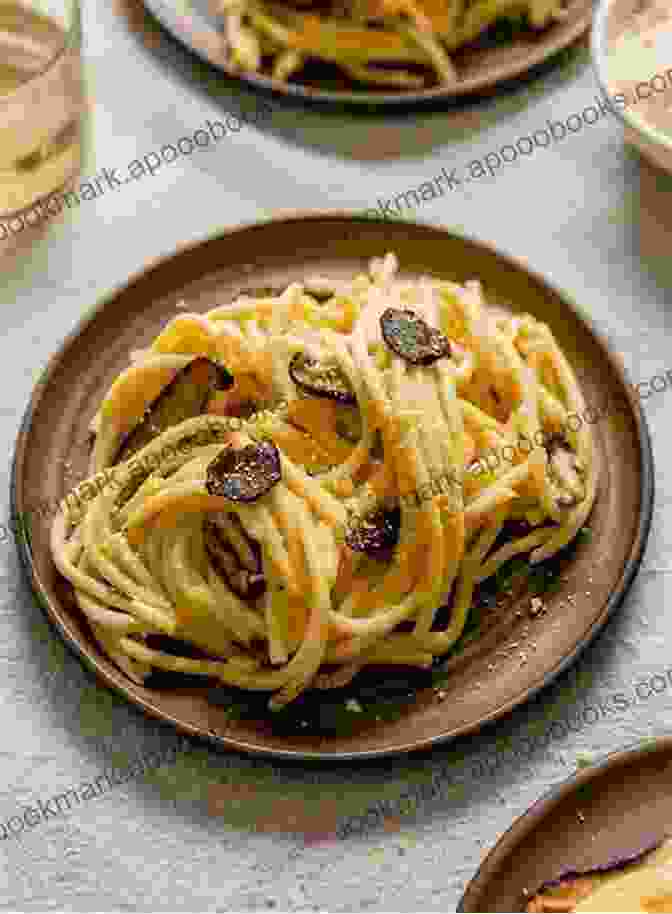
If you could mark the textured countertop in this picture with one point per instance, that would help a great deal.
(205, 830)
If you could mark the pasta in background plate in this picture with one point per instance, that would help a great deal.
(294, 484)
(398, 44)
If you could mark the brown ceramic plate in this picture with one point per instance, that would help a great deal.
(600, 813)
(481, 66)
(482, 686)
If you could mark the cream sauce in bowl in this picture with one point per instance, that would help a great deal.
(634, 60)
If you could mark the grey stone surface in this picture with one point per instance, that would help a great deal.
(183, 837)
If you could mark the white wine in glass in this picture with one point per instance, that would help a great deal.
(41, 100)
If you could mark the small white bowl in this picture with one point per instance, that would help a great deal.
(654, 143)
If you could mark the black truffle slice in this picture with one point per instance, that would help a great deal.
(411, 338)
(244, 475)
(320, 378)
(248, 585)
(569, 876)
(184, 398)
(566, 470)
(375, 533)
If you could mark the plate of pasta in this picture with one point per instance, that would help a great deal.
(599, 841)
(379, 52)
(332, 504)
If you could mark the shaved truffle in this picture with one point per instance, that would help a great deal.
(248, 585)
(184, 398)
(245, 474)
(578, 883)
(375, 533)
(322, 378)
(411, 338)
